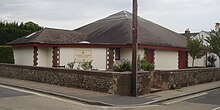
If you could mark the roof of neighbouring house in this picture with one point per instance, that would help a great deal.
(114, 29)
(190, 34)
(51, 36)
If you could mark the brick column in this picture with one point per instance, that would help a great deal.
(56, 57)
(110, 58)
(35, 56)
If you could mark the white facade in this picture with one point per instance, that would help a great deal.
(98, 56)
(166, 60)
(23, 55)
(198, 62)
(45, 56)
(126, 53)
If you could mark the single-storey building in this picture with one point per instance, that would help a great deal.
(105, 42)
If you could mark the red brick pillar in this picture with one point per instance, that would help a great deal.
(56, 56)
(110, 58)
(35, 56)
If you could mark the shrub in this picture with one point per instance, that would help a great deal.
(144, 65)
(6, 54)
(211, 58)
(87, 65)
(122, 66)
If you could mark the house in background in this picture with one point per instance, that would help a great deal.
(203, 35)
(105, 42)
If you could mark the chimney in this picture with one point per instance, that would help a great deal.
(187, 33)
(217, 27)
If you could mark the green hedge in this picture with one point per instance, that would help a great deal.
(6, 54)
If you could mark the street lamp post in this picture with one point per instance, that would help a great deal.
(134, 50)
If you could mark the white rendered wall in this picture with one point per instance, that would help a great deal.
(126, 54)
(23, 55)
(45, 56)
(98, 56)
(166, 60)
(198, 62)
(49, 57)
(42, 56)
(217, 63)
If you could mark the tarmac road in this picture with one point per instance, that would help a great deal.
(18, 99)
(204, 101)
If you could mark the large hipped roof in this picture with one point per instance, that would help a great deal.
(117, 29)
(114, 29)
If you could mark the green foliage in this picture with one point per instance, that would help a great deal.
(144, 65)
(6, 54)
(87, 65)
(195, 47)
(214, 42)
(123, 66)
(211, 58)
(14, 30)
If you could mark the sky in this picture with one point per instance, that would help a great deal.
(177, 15)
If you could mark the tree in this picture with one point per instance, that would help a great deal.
(10, 31)
(214, 43)
(195, 48)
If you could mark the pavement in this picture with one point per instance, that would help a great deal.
(105, 99)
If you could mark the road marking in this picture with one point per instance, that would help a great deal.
(218, 108)
(184, 98)
(39, 94)
(130, 107)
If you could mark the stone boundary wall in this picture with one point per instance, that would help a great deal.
(102, 81)
(176, 79)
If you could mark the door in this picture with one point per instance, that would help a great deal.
(183, 59)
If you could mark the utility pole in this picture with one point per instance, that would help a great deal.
(134, 50)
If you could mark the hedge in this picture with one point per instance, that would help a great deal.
(6, 54)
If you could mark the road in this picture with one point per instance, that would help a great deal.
(203, 101)
(18, 99)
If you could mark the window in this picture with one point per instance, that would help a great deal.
(117, 54)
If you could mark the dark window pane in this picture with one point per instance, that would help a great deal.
(117, 54)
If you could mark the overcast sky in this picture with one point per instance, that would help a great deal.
(177, 15)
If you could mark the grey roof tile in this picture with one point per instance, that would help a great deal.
(114, 29)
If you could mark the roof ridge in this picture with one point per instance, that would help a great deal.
(57, 29)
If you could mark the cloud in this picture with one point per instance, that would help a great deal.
(69, 14)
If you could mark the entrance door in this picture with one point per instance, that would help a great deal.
(183, 59)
